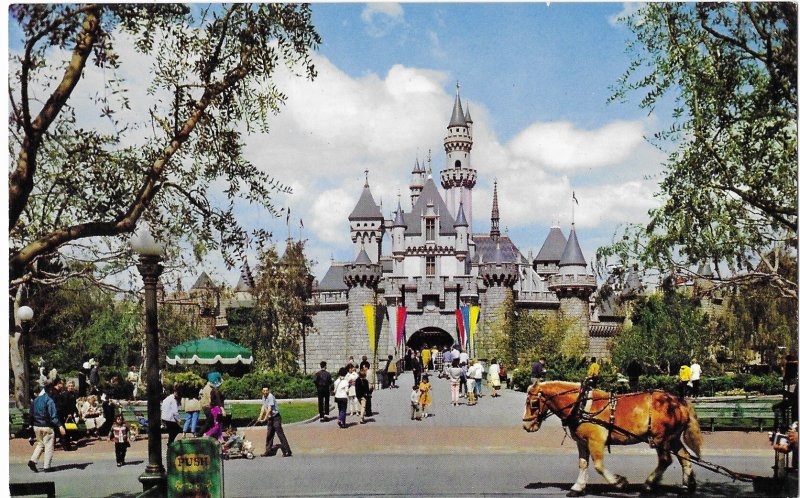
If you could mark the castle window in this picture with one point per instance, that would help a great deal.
(430, 266)
(458, 164)
(430, 229)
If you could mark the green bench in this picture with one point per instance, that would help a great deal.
(737, 412)
(17, 418)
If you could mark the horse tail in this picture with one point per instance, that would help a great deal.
(692, 436)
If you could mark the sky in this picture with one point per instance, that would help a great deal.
(536, 79)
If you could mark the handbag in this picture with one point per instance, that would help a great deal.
(71, 426)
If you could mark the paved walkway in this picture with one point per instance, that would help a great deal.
(492, 425)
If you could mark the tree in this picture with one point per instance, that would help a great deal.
(84, 172)
(669, 329)
(730, 181)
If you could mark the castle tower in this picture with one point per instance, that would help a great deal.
(462, 240)
(499, 274)
(366, 225)
(417, 182)
(494, 233)
(573, 286)
(399, 227)
(362, 278)
(458, 178)
(546, 261)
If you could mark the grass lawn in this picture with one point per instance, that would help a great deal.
(290, 411)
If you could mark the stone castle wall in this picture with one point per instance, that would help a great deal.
(490, 321)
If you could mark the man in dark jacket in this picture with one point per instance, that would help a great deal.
(634, 371)
(45, 421)
(323, 381)
(538, 371)
(67, 409)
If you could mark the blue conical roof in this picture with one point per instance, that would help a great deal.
(399, 220)
(461, 220)
(553, 247)
(572, 255)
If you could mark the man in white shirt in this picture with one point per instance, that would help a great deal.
(695, 377)
(170, 415)
(478, 373)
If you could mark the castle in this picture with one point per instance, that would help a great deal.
(434, 264)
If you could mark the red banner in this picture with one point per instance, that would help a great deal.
(460, 326)
(401, 324)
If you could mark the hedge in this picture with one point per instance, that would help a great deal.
(281, 385)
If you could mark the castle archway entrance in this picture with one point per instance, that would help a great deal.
(432, 336)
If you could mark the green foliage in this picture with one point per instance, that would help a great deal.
(281, 384)
(273, 328)
(189, 383)
(730, 183)
(669, 329)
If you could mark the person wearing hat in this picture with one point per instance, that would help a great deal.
(211, 396)
(45, 420)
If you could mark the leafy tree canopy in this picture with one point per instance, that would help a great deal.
(84, 170)
(730, 182)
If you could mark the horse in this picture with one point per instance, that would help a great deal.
(656, 417)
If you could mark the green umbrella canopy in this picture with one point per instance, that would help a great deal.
(209, 351)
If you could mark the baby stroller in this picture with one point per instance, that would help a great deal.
(235, 445)
(139, 428)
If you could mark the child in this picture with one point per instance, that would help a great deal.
(415, 394)
(425, 396)
(216, 429)
(119, 434)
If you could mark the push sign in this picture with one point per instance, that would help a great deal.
(194, 468)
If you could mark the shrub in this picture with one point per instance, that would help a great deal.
(282, 385)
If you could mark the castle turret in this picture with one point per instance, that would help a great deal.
(399, 227)
(458, 178)
(366, 225)
(499, 274)
(546, 261)
(573, 286)
(417, 182)
(362, 278)
(462, 238)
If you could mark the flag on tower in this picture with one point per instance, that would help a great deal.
(574, 198)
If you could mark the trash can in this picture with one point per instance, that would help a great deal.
(194, 468)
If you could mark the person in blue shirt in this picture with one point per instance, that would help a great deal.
(45, 421)
(271, 415)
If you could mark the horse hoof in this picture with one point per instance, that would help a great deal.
(572, 492)
(692, 484)
(621, 483)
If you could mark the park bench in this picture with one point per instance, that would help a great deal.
(17, 418)
(710, 413)
(33, 488)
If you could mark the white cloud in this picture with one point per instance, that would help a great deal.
(381, 17)
(628, 8)
(329, 213)
(562, 146)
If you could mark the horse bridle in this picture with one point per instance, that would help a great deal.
(542, 400)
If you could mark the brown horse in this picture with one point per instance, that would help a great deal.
(656, 417)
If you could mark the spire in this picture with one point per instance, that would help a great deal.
(457, 118)
(461, 220)
(495, 231)
(467, 117)
(417, 167)
(399, 220)
(572, 256)
(366, 207)
(363, 258)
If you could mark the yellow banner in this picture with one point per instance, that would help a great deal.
(474, 312)
(369, 316)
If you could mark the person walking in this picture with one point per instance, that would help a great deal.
(272, 415)
(362, 392)
(323, 381)
(454, 376)
(94, 376)
(494, 377)
(119, 434)
(478, 373)
(462, 380)
(426, 357)
(170, 416)
(684, 376)
(634, 371)
(391, 372)
(364, 365)
(67, 408)
(425, 398)
(471, 400)
(416, 367)
(694, 379)
(45, 421)
(415, 395)
(352, 402)
(211, 396)
(340, 396)
(192, 408)
(538, 371)
(447, 361)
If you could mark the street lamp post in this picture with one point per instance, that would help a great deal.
(150, 254)
(25, 315)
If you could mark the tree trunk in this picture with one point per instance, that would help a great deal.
(16, 346)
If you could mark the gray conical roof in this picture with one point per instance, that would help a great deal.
(457, 118)
(399, 220)
(461, 220)
(553, 247)
(334, 279)
(417, 167)
(363, 258)
(467, 117)
(366, 207)
(203, 282)
(572, 255)
(705, 271)
(633, 285)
